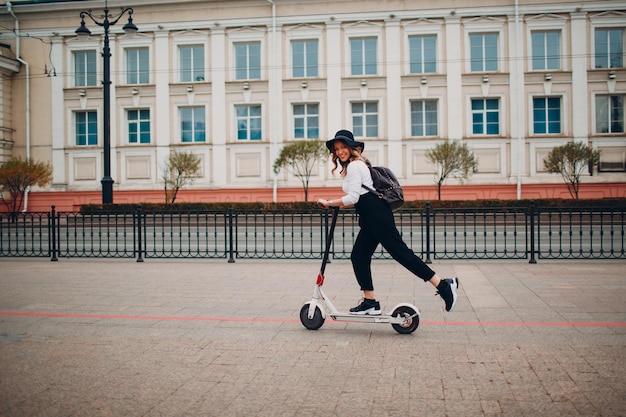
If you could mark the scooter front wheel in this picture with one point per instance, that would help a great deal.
(314, 323)
(411, 323)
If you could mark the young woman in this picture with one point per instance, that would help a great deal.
(377, 226)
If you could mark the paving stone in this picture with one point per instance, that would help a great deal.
(112, 337)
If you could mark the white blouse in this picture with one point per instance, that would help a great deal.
(357, 174)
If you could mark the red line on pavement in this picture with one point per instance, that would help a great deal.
(128, 317)
(529, 323)
(270, 320)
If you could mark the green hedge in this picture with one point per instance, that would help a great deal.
(300, 205)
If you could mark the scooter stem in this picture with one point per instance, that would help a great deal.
(329, 240)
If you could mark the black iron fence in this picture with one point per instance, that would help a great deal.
(452, 233)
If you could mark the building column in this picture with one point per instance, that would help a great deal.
(219, 161)
(58, 115)
(275, 107)
(580, 50)
(394, 96)
(454, 71)
(334, 96)
(518, 100)
(115, 127)
(162, 114)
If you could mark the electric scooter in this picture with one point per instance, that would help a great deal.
(404, 317)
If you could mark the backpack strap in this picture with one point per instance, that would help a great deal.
(371, 190)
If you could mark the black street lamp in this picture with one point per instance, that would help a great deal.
(82, 31)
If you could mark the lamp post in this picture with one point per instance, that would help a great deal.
(129, 28)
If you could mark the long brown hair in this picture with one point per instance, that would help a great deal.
(355, 154)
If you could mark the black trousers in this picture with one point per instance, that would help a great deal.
(378, 227)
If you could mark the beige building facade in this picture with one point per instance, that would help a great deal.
(234, 81)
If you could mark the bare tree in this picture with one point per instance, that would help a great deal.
(451, 158)
(180, 170)
(570, 160)
(17, 176)
(302, 157)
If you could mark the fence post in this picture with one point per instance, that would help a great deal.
(532, 232)
(52, 232)
(428, 260)
(231, 249)
(139, 216)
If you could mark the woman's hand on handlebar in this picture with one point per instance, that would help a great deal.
(323, 203)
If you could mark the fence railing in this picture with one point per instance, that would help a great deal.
(452, 233)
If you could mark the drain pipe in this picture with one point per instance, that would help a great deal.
(273, 97)
(27, 67)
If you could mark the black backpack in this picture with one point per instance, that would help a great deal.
(386, 186)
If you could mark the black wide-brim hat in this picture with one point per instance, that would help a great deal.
(346, 137)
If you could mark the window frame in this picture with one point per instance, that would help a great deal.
(364, 126)
(248, 67)
(138, 122)
(190, 38)
(86, 75)
(544, 57)
(248, 119)
(364, 65)
(608, 55)
(423, 28)
(357, 30)
(596, 110)
(491, 26)
(547, 121)
(247, 35)
(501, 112)
(305, 33)
(75, 121)
(193, 71)
(552, 24)
(606, 20)
(306, 116)
(422, 62)
(305, 66)
(81, 46)
(434, 100)
(125, 42)
(138, 72)
(193, 132)
(484, 60)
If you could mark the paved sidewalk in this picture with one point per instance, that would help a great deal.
(100, 337)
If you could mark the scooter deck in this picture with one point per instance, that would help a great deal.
(367, 318)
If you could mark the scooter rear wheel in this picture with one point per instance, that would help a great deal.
(314, 323)
(411, 324)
